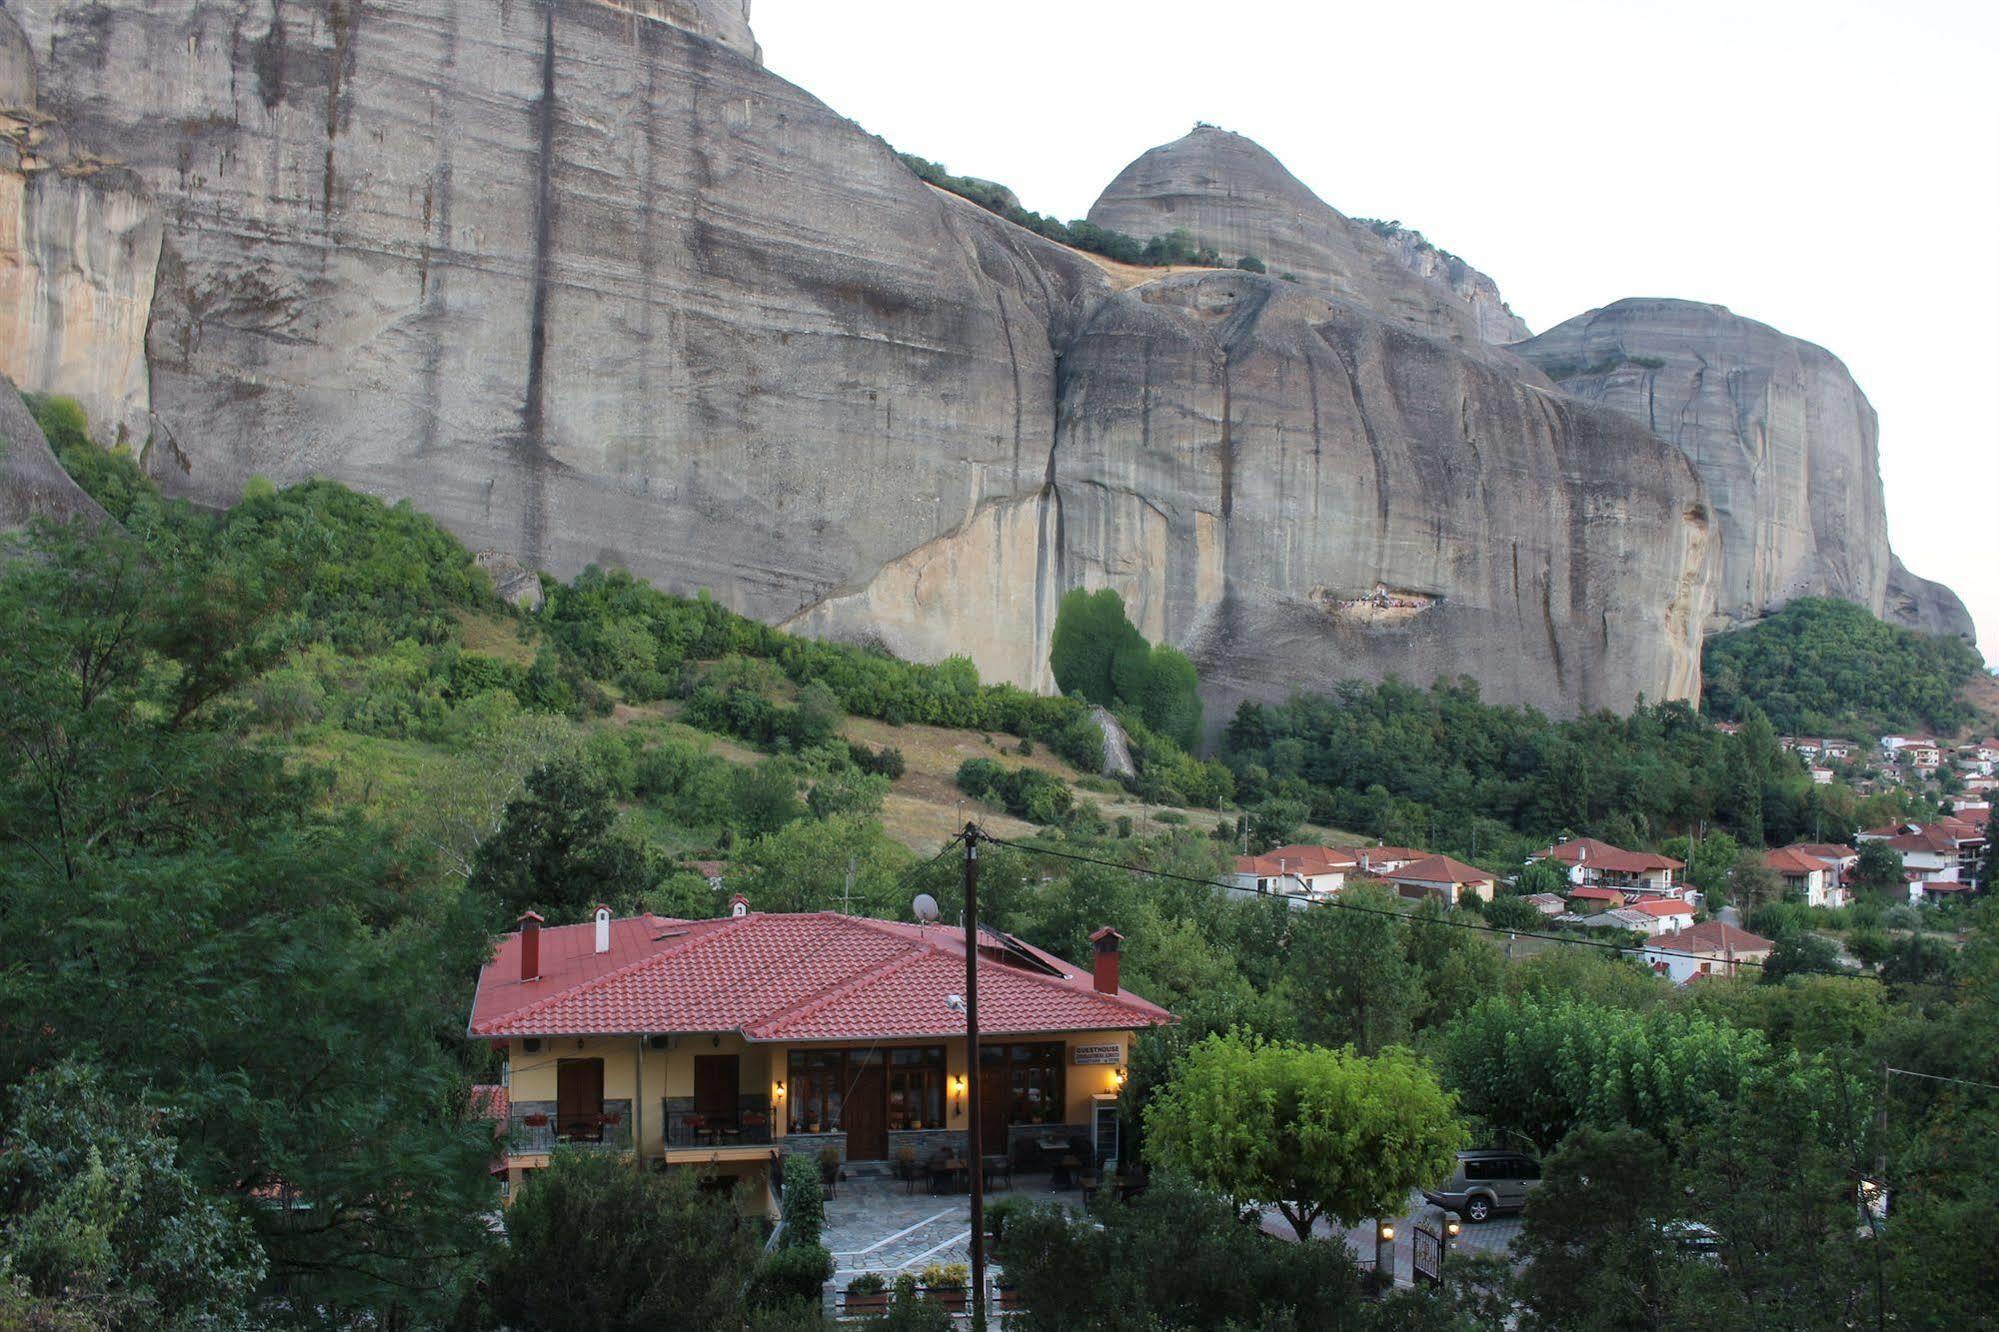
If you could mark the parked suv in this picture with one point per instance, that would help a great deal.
(1485, 1182)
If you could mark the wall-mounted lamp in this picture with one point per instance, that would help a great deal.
(1118, 1076)
(957, 1083)
(780, 1091)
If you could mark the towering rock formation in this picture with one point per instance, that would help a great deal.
(589, 284)
(79, 243)
(1784, 440)
(1300, 492)
(1228, 192)
(1496, 320)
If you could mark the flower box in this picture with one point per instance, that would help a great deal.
(867, 1302)
(951, 1297)
(535, 1121)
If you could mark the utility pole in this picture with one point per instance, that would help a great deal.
(976, 1155)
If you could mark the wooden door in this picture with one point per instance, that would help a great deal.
(995, 1107)
(715, 1083)
(864, 1117)
(579, 1099)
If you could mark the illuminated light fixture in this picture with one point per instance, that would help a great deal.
(780, 1091)
(1119, 1076)
(1387, 1231)
(1451, 1227)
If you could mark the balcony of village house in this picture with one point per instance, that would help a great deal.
(739, 1128)
(536, 1128)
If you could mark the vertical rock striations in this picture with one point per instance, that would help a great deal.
(1300, 492)
(1784, 440)
(590, 285)
(79, 244)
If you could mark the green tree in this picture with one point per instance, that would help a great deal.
(1539, 1067)
(98, 1211)
(1752, 884)
(1349, 975)
(1175, 1257)
(1593, 1238)
(1878, 873)
(559, 848)
(766, 798)
(1316, 1132)
(1543, 876)
(284, 983)
(595, 1246)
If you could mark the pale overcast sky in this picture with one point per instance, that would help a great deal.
(1830, 168)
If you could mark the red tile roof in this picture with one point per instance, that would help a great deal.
(1712, 937)
(807, 977)
(1604, 856)
(1832, 851)
(1374, 857)
(1789, 860)
(1438, 869)
(1305, 860)
(1595, 894)
(1663, 906)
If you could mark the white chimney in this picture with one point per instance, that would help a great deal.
(603, 929)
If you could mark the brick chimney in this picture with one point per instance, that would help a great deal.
(1104, 964)
(530, 925)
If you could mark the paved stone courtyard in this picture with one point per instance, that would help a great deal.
(876, 1224)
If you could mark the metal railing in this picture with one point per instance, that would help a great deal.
(749, 1123)
(536, 1127)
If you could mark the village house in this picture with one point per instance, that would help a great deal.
(1811, 880)
(1381, 861)
(1548, 904)
(1710, 948)
(1637, 873)
(1840, 860)
(1590, 899)
(727, 1043)
(1820, 776)
(1662, 915)
(1314, 871)
(1441, 876)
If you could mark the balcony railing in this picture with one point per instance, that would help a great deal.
(748, 1124)
(537, 1127)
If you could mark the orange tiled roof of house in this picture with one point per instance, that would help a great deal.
(1789, 860)
(787, 977)
(1438, 869)
(1712, 937)
(1298, 859)
(1602, 855)
(1663, 907)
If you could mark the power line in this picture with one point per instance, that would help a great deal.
(1344, 905)
(1939, 1077)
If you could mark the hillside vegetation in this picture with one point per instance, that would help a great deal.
(1825, 667)
(276, 775)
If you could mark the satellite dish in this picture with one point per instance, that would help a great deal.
(925, 907)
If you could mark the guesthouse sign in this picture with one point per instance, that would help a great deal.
(1098, 1054)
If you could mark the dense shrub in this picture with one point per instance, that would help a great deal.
(1821, 666)
(1098, 653)
(1025, 793)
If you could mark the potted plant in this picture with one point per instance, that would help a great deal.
(536, 1120)
(866, 1293)
(945, 1283)
(829, 1165)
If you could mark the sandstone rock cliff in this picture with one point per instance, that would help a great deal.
(591, 285)
(79, 244)
(1230, 193)
(1784, 440)
(1496, 320)
(32, 483)
(1298, 491)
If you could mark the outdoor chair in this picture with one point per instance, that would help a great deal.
(996, 1166)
